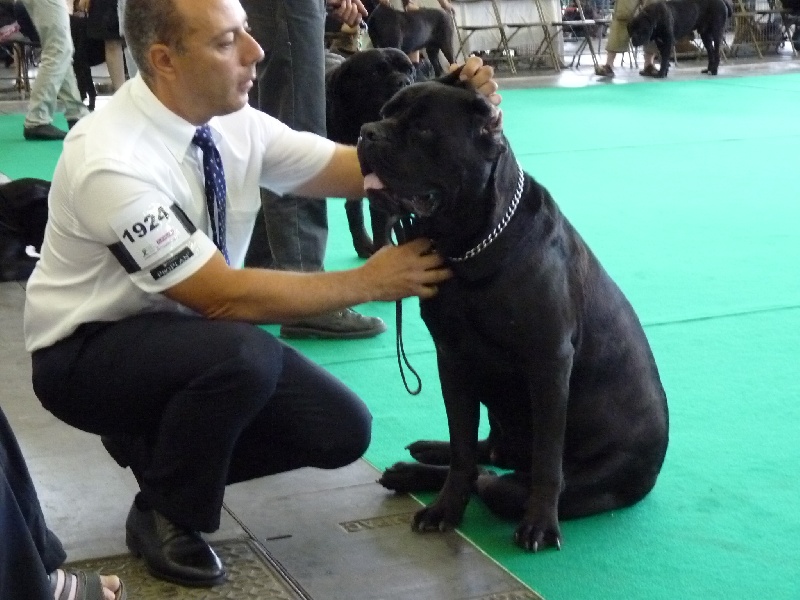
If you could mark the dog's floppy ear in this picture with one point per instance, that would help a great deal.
(491, 134)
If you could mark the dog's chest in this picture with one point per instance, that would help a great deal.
(476, 326)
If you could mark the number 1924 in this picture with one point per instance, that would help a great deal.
(150, 222)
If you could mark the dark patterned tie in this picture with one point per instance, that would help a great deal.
(215, 186)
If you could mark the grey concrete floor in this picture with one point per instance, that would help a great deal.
(334, 535)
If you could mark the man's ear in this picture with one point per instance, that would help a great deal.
(160, 56)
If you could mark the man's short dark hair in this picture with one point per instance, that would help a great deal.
(149, 22)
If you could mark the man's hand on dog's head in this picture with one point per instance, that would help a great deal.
(480, 77)
(350, 12)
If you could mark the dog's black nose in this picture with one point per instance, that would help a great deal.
(401, 82)
(368, 133)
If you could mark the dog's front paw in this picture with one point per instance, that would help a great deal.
(661, 75)
(442, 515)
(430, 453)
(539, 532)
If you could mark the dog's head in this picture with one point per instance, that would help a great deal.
(357, 88)
(641, 27)
(435, 155)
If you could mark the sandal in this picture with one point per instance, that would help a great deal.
(88, 586)
(649, 71)
(604, 71)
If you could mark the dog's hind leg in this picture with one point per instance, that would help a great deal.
(432, 52)
(438, 453)
(355, 221)
(712, 49)
(414, 477)
(381, 224)
(505, 495)
(618, 480)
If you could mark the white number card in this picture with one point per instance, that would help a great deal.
(147, 235)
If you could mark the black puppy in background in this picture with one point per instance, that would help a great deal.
(665, 22)
(356, 90)
(428, 29)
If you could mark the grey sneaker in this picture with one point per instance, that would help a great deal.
(344, 324)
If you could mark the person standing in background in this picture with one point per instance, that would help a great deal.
(103, 24)
(129, 62)
(55, 79)
(290, 86)
(30, 554)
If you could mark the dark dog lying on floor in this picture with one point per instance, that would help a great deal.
(356, 90)
(531, 326)
(665, 22)
(428, 29)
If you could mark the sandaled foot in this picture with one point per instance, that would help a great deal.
(80, 585)
(604, 71)
(649, 71)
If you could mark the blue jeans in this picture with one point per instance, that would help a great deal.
(291, 88)
(28, 549)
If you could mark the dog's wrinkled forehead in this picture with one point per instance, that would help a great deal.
(439, 101)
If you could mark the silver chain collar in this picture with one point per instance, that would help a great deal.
(512, 208)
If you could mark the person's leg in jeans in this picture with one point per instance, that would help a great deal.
(291, 87)
(29, 551)
(31, 554)
(55, 78)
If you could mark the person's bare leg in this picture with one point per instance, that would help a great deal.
(115, 62)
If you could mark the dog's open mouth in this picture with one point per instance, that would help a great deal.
(400, 203)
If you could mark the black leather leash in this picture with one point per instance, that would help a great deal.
(403, 232)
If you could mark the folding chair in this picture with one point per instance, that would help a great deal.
(588, 27)
(465, 31)
(25, 58)
(548, 48)
(752, 21)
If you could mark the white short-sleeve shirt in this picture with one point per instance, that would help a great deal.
(127, 208)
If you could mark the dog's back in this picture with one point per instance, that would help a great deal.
(698, 15)
(429, 29)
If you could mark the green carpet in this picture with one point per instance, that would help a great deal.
(686, 192)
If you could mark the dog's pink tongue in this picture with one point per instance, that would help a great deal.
(371, 182)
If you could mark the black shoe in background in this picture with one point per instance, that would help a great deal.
(45, 132)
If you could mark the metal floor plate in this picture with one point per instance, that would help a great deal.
(250, 576)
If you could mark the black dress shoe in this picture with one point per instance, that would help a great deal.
(43, 132)
(170, 552)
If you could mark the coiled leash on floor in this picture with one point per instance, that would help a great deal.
(403, 232)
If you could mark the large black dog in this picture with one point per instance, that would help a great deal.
(665, 22)
(531, 326)
(428, 29)
(356, 90)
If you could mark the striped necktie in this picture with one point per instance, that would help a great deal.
(215, 185)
